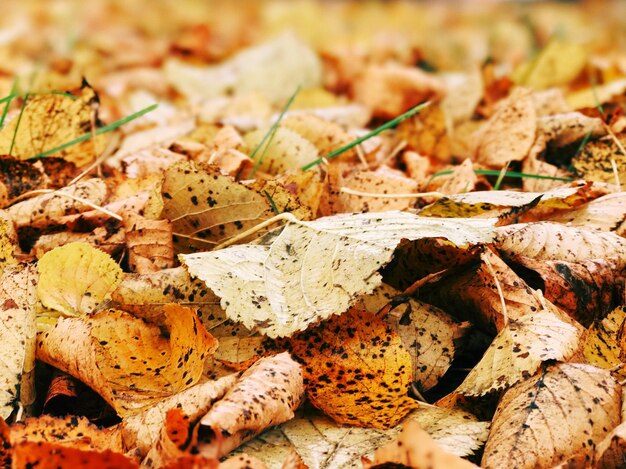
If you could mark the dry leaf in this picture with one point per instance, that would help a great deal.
(140, 431)
(100, 237)
(609, 453)
(557, 64)
(287, 150)
(463, 179)
(563, 410)
(561, 130)
(356, 370)
(274, 69)
(51, 120)
(267, 394)
(429, 335)
(200, 202)
(518, 351)
(416, 450)
(517, 120)
(426, 133)
(175, 440)
(149, 243)
(74, 279)
(50, 456)
(284, 287)
(554, 241)
(595, 161)
(602, 345)
(605, 213)
(18, 334)
(130, 363)
(45, 209)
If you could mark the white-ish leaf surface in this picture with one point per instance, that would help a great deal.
(316, 269)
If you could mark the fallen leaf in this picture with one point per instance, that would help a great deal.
(175, 440)
(557, 64)
(50, 456)
(518, 351)
(602, 345)
(356, 370)
(415, 449)
(595, 161)
(282, 288)
(561, 130)
(426, 133)
(560, 411)
(17, 315)
(199, 203)
(557, 242)
(42, 210)
(141, 430)
(516, 118)
(609, 453)
(51, 120)
(605, 213)
(75, 278)
(149, 242)
(267, 394)
(130, 363)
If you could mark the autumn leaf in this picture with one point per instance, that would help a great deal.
(18, 334)
(557, 64)
(199, 204)
(299, 290)
(74, 279)
(518, 351)
(415, 449)
(51, 456)
(606, 213)
(266, 394)
(602, 344)
(595, 161)
(130, 363)
(562, 410)
(149, 243)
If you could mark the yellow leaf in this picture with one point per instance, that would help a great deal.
(602, 346)
(130, 363)
(357, 370)
(558, 63)
(74, 279)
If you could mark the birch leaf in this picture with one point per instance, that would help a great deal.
(554, 241)
(558, 63)
(414, 448)
(130, 363)
(74, 279)
(42, 210)
(316, 269)
(17, 334)
(566, 409)
(267, 394)
(602, 345)
(206, 207)
(356, 370)
(518, 351)
(594, 161)
(605, 213)
(516, 121)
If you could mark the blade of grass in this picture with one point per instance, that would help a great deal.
(511, 174)
(100, 131)
(8, 100)
(272, 203)
(17, 125)
(501, 176)
(387, 125)
(269, 136)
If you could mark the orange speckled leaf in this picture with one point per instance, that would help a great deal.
(50, 456)
(356, 370)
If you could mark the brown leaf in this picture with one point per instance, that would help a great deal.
(510, 132)
(426, 133)
(267, 394)
(594, 161)
(356, 369)
(149, 242)
(603, 347)
(199, 203)
(563, 410)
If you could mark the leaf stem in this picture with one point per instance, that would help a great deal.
(512, 174)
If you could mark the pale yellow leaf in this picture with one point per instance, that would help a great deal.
(602, 346)
(316, 269)
(74, 279)
(518, 351)
(17, 334)
(557, 64)
(605, 213)
(566, 409)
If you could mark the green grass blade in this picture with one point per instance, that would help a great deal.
(269, 135)
(8, 100)
(272, 203)
(387, 125)
(17, 124)
(101, 130)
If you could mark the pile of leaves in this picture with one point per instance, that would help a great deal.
(235, 236)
